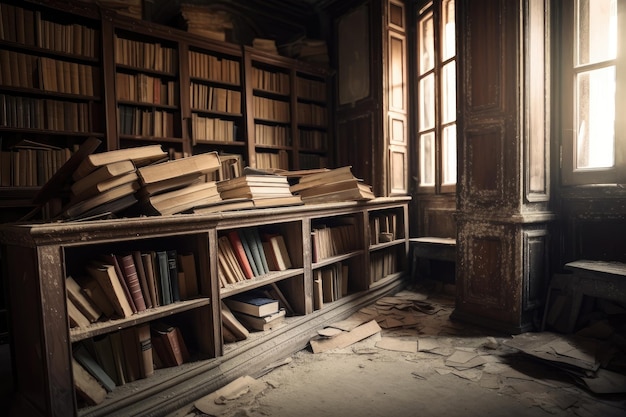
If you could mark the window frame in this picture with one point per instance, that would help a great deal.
(594, 176)
(423, 10)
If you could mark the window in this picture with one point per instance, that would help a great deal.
(436, 107)
(593, 89)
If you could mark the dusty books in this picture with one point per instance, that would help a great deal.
(101, 175)
(100, 199)
(183, 199)
(261, 323)
(224, 205)
(140, 156)
(254, 186)
(252, 304)
(331, 186)
(197, 164)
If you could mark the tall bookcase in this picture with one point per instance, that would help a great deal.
(44, 255)
(70, 70)
(51, 92)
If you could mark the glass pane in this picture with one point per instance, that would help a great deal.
(427, 159)
(449, 155)
(447, 33)
(426, 104)
(597, 30)
(595, 119)
(448, 92)
(426, 44)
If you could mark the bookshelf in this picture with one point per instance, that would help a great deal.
(287, 112)
(49, 253)
(50, 92)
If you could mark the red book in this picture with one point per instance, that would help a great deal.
(112, 260)
(129, 272)
(240, 253)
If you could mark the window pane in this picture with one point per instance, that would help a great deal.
(426, 53)
(448, 92)
(427, 159)
(595, 119)
(597, 30)
(427, 103)
(447, 32)
(449, 155)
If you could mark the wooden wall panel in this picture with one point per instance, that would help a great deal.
(485, 159)
(354, 145)
(485, 254)
(535, 247)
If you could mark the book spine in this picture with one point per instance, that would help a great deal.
(254, 232)
(240, 254)
(172, 264)
(254, 251)
(112, 259)
(145, 350)
(166, 295)
(246, 247)
(129, 270)
(143, 280)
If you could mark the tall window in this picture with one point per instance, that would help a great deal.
(593, 90)
(436, 64)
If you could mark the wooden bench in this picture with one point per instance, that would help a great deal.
(588, 278)
(431, 248)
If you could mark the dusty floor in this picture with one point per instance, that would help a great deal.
(441, 368)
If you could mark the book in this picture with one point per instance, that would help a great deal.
(252, 180)
(240, 253)
(188, 287)
(144, 344)
(130, 347)
(293, 200)
(82, 355)
(232, 325)
(248, 251)
(94, 292)
(362, 192)
(140, 156)
(102, 174)
(110, 283)
(224, 205)
(254, 247)
(164, 278)
(183, 199)
(103, 352)
(86, 385)
(129, 272)
(117, 350)
(111, 259)
(170, 184)
(143, 280)
(81, 301)
(277, 250)
(172, 264)
(261, 323)
(103, 186)
(259, 244)
(330, 187)
(113, 194)
(196, 164)
(252, 304)
(318, 178)
(173, 350)
(107, 210)
(76, 317)
(148, 260)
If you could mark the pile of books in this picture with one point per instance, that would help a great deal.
(263, 190)
(255, 311)
(331, 186)
(179, 185)
(106, 182)
(204, 21)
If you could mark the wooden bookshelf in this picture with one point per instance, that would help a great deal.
(45, 254)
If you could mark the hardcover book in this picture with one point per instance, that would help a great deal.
(252, 304)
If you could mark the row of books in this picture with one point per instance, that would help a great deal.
(145, 122)
(212, 129)
(28, 167)
(312, 114)
(311, 89)
(204, 97)
(210, 67)
(277, 82)
(27, 27)
(145, 89)
(329, 284)
(271, 135)
(384, 228)
(120, 285)
(273, 160)
(152, 56)
(68, 77)
(313, 139)
(245, 253)
(104, 362)
(383, 263)
(32, 113)
(269, 109)
(329, 241)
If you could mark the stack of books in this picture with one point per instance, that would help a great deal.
(255, 311)
(263, 190)
(330, 186)
(179, 185)
(106, 182)
(204, 21)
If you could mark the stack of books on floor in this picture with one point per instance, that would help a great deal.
(179, 185)
(331, 186)
(263, 190)
(106, 182)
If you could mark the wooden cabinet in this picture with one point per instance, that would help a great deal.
(40, 257)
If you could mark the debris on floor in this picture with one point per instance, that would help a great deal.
(413, 329)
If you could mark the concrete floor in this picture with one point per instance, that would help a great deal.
(366, 380)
